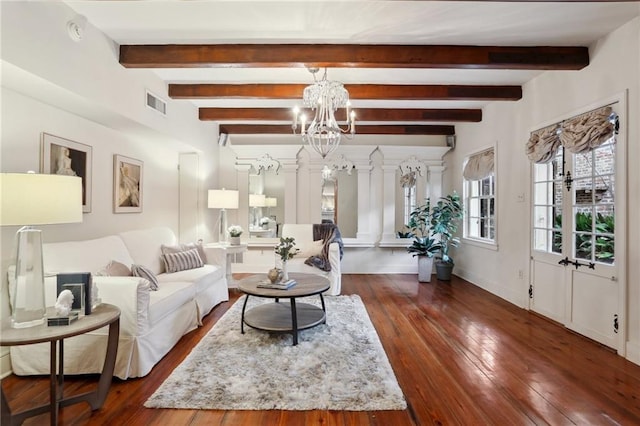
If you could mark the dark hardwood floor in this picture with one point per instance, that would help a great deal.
(461, 356)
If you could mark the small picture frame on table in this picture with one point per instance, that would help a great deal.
(79, 284)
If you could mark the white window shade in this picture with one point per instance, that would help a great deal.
(479, 166)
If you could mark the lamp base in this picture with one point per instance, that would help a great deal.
(28, 307)
(27, 314)
(223, 235)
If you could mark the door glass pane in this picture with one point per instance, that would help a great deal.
(583, 246)
(594, 201)
(540, 240)
(547, 210)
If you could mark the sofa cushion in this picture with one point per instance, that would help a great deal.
(144, 246)
(181, 261)
(144, 272)
(169, 297)
(200, 277)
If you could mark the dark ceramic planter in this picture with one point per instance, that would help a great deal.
(443, 271)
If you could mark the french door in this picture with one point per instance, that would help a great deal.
(574, 267)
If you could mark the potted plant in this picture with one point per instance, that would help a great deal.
(234, 234)
(286, 249)
(445, 216)
(423, 245)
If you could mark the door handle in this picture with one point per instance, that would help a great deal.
(577, 264)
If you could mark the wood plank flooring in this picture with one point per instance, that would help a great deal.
(461, 355)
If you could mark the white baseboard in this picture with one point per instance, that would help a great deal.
(633, 352)
(511, 295)
(5, 364)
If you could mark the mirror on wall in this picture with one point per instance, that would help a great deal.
(340, 200)
(266, 203)
(405, 197)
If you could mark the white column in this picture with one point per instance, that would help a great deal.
(290, 172)
(364, 203)
(434, 183)
(315, 192)
(389, 200)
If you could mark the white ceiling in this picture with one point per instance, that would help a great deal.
(354, 22)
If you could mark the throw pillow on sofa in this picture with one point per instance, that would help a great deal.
(144, 272)
(310, 248)
(115, 269)
(181, 261)
(184, 247)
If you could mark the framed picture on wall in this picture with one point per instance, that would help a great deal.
(127, 184)
(65, 157)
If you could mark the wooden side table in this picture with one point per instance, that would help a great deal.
(103, 315)
(230, 252)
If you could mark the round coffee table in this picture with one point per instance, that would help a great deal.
(284, 317)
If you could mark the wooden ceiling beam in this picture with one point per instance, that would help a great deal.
(356, 91)
(362, 114)
(353, 56)
(258, 129)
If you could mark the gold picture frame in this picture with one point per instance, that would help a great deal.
(127, 184)
(66, 157)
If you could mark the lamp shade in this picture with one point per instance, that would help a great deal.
(40, 199)
(257, 200)
(223, 199)
(271, 202)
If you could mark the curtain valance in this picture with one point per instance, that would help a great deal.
(479, 166)
(587, 131)
(543, 144)
(578, 134)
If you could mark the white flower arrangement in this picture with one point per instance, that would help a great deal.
(264, 221)
(235, 230)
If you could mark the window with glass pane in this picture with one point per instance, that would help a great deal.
(480, 206)
(547, 205)
(593, 204)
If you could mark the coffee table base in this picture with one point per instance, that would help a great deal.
(283, 317)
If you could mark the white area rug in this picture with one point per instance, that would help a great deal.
(340, 365)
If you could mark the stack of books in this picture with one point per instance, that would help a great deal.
(283, 285)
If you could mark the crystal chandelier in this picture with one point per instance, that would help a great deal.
(324, 97)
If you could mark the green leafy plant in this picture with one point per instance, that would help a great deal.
(419, 221)
(405, 233)
(286, 249)
(445, 217)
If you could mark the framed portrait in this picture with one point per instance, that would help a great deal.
(127, 184)
(65, 157)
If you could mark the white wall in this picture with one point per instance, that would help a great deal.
(614, 68)
(79, 91)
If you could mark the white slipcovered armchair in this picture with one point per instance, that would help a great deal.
(303, 234)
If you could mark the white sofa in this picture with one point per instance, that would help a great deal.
(303, 234)
(151, 322)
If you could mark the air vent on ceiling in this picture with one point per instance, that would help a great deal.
(156, 103)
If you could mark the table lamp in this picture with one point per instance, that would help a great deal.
(35, 199)
(223, 199)
(256, 201)
(271, 202)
